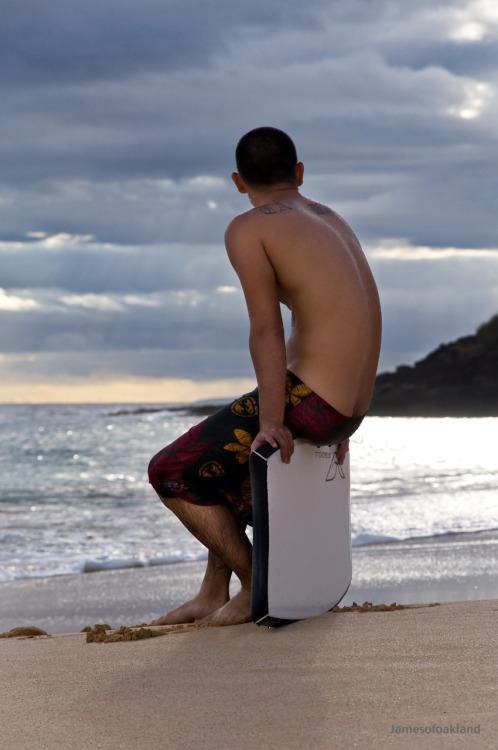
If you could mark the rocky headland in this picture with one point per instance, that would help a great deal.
(459, 379)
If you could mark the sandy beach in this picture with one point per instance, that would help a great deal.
(420, 676)
(345, 680)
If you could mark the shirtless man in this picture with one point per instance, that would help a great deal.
(318, 386)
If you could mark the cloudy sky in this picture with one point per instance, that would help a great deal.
(118, 125)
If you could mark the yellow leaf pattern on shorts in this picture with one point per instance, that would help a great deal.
(245, 407)
(242, 448)
(211, 469)
(296, 393)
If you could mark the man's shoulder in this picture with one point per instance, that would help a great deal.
(242, 218)
(271, 216)
(319, 209)
(246, 222)
(257, 216)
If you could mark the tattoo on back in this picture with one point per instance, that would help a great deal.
(319, 209)
(275, 208)
(282, 208)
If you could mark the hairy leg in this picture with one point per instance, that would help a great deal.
(219, 530)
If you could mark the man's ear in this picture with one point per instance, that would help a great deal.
(299, 173)
(239, 183)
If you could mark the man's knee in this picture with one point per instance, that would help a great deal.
(158, 471)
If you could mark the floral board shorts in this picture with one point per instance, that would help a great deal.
(209, 465)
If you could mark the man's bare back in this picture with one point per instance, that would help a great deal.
(322, 275)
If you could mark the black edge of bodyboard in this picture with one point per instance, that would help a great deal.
(258, 468)
(274, 622)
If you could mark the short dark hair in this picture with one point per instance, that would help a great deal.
(266, 156)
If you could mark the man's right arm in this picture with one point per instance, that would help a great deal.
(266, 338)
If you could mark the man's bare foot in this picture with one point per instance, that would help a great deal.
(235, 612)
(196, 609)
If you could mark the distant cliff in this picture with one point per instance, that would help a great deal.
(456, 380)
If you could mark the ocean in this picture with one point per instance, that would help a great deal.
(74, 495)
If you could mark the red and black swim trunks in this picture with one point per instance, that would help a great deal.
(209, 465)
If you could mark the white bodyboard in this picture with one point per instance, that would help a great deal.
(302, 533)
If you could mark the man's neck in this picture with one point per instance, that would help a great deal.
(273, 194)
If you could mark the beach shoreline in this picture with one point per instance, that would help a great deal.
(337, 680)
(454, 568)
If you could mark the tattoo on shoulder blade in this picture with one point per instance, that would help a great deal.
(319, 209)
(275, 208)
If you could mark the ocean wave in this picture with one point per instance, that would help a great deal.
(63, 567)
(364, 539)
(93, 566)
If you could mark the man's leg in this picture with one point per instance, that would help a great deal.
(218, 529)
(212, 595)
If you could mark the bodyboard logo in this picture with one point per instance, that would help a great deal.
(334, 469)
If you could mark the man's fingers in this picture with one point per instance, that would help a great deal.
(286, 443)
(277, 438)
(263, 438)
(341, 451)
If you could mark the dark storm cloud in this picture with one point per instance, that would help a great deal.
(98, 90)
(473, 59)
(89, 40)
(78, 157)
(56, 321)
(198, 364)
(134, 212)
(164, 89)
(101, 270)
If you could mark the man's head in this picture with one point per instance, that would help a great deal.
(265, 157)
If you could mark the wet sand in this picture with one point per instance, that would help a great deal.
(350, 679)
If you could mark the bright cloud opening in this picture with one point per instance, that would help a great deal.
(13, 303)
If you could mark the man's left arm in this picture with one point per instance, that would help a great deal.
(266, 337)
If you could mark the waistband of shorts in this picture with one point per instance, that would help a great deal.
(297, 381)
